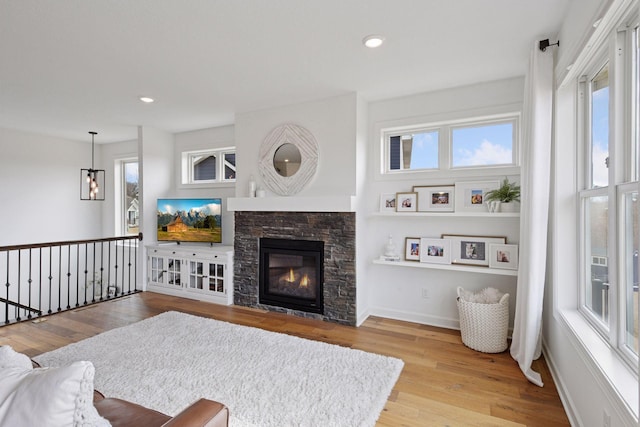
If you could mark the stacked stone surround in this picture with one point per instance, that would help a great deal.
(338, 232)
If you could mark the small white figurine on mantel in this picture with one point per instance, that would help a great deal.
(390, 253)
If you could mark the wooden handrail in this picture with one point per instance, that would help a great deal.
(68, 242)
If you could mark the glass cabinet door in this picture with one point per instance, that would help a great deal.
(196, 276)
(173, 273)
(157, 269)
(216, 277)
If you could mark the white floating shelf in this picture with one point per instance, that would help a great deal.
(497, 215)
(454, 267)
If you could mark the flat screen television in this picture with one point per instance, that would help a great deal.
(190, 220)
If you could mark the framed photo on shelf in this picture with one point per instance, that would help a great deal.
(435, 199)
(503, 256)
(412, 249)
(472, 250)
(388, 202)
(406, 202)
(435, 251)
(470, 196)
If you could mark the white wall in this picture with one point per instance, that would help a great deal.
(206, 139)
(396, 291)
(333, 124)
(40, 190)
(156, 177)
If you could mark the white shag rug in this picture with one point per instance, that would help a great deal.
(168, 361)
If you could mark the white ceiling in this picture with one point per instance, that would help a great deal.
(70, 66)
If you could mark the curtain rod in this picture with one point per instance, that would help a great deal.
(544, 44)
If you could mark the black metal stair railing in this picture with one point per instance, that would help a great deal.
(47, 278)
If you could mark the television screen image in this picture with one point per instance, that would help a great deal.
(190, 220)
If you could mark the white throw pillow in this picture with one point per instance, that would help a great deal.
(9, 358)
(49, 396)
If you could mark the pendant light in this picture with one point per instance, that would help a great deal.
(92, 180)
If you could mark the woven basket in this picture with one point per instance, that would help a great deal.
(484, 327)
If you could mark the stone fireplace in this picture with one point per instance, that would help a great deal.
(335, 231)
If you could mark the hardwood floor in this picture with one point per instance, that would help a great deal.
(443, 383)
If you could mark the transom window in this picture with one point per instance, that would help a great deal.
(209, 166)
(479, 143)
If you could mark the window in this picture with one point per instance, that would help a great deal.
(413, 150)
(484, 142)
(483, 145)
(608, 193)
(209, 167)
(131, 212)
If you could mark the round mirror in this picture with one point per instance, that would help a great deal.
(286, 160)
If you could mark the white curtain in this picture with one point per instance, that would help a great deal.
(535, 182)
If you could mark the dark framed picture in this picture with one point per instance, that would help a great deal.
(472, 250)
(412, 249)
(435, 199)
(406, 202)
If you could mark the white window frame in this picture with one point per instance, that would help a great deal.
(616, 51)
(187, 169)
(120, 203)
(445, 155)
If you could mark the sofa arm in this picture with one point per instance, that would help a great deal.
(202, 413)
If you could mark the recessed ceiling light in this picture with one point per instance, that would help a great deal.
(373, 41)
(146, 99)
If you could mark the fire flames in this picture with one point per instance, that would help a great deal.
(304, 282)
(291, 279)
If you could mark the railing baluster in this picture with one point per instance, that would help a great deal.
(59, 278)
(40, 282)
(101, 270)
(30, 283)
(50, 276)
(115, 270)
(6, 311)
(19, 268)
(77, 275)
(68, 277)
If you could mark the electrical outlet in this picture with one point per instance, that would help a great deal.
(425, 293)
(606, 419)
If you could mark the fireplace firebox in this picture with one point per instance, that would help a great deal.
(291, 274)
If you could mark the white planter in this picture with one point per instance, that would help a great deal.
(510, 207)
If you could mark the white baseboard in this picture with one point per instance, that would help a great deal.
(421, 318)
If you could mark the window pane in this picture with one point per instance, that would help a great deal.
(204, 168)
(600, 129)
(230, 166)
(631, 269)
(132, 214)
(483, 145)
(597, 286)
(413, 151)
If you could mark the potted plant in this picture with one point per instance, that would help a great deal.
(504, 198)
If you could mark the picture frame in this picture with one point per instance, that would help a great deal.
(412, 248)
(388, 202)
(503, 256)
(435, 251)
(470, 195)
(472, 250)
(435, 198)
(406, 202)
